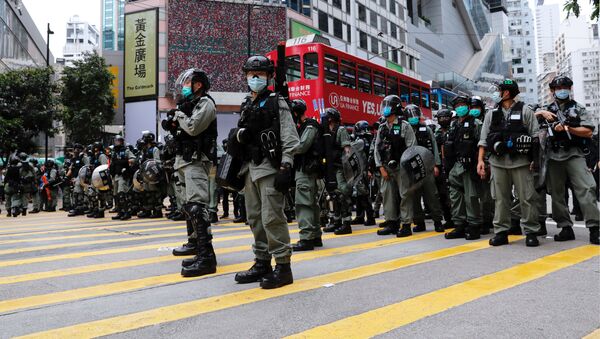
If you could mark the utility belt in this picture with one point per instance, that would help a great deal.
(186, 148)
(513, 144)
(580, 143)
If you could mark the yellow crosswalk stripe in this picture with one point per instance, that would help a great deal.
(111, 234)
(161, 259)
(180, 311)
(593, 335)
(385, 319)
(154, 281)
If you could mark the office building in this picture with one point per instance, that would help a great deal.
(81, 38)
(547, 28)
(522, 46)
(113, 24)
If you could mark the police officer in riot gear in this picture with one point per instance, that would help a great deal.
(50, 185)
(393, 137)
(509, 132)
(121, 160)
(444, 118)
(362, 136)
(79, 160)
(265, 140)
(194, 126)
(308, 167)
(428, 191)
(97, 198)
(336, 141)
(461, 152)
(152, 195)
(567, 146)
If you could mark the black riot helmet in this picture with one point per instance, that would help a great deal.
(77, 146)
(23, 156)
(361, 128)
(49, 163)
(509, 85)
(193, 75)
(148, 137)
(333, 115)
(561, 81)
(119, 141)
(392, 104)
(97, 147)
(460, 99)
(444, 117)
(476, 101)
(258, 63)
(298, 108)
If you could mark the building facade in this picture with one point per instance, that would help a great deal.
(547, 28)
(522, 45)
(81, 38)
(21, 44)
(113, 24)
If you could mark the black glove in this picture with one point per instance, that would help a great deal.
(242, 135)
(283, 179)
(330, 185)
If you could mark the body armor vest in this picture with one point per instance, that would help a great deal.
(423, 136)
(119, 160)
(506, 131)
(393, 143)
(461, 144)
(205, 142)
(572, 119)
(311, 161)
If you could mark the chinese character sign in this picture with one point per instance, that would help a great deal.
(140, 54)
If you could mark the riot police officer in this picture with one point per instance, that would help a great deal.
(444, 118)
(50, 180)
(80, 159)
(97, 198)
(393, 137)
(152, 196)
(121, 160)
(194, 127)
(65, 183)
(265, 139)
(36, 198)
(569, 142)
(461, 153)
(362, 145)
(336, 142)
(428, 190)
(308, 167)
(509, 132)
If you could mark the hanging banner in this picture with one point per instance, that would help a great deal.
(141, 54)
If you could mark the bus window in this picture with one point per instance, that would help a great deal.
(379, 83)
(348, 74)
(293, 68)
(414, 96)
(392, 85)
(311, 66)
(404, 91)
(424, 98)
(331, 69)
(364, 79)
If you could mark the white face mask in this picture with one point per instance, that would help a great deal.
(562, 94)
(496, 97)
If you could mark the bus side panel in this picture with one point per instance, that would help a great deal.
(352, 104)
(309, 91)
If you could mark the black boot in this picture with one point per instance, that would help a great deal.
(594, 235)
(92, 214)
(203, 263)
(346, 228)
(391, 227)
(531, 240)
(144, 214)
(213, 217)
(34, 211)
(515, 227)
(260, 269)
(125, 216)
(332, 226)
(501, 238)
(449, 224)
(404, 231)
(438, 227)
(118, 216)
(486, 227)
(99, 214)
(190, 247)
(24, 211)
(566, 234)
(419, 226)
(281, 276)
(543, 231)
(358, 221)
(303, 245)
(472, 232)
(457, 233)
(75, 212)
(156, 213)
(206, 262)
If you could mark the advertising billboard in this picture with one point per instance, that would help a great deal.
(141, 54)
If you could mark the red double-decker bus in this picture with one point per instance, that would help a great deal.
(327, 77)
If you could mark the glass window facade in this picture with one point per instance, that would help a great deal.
(17, 48)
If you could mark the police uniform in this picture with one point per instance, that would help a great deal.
(308, 167)
(501, 128)
(50, 187)
(362, 186)
(441, 181)
(96, 197)
(428, 190)
(461, 147)
(195, 140)
(65, 185)
(79, 203)
(36, 198)
(121, 172)
(566, 161)
(342, 194)
(152, 194)
(391, 141)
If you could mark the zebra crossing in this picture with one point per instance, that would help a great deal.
(63, 277)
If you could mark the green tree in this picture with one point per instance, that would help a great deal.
(87, 99)
(573, 7)
(26, 102)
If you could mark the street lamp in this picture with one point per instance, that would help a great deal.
(48, 32)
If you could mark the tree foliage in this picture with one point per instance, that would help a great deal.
(573, 7)
(26, 102)
(87, 99)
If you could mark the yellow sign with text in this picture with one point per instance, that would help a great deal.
(141, 46)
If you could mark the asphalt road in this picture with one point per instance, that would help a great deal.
(78, 277)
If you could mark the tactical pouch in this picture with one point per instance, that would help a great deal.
(271, 146)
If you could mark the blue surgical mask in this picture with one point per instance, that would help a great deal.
(475, 112)
(496, 97)
(186, 92)
(257, 84)
(461, 111)
(387, 111)
(413, 120)
(562, 94)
